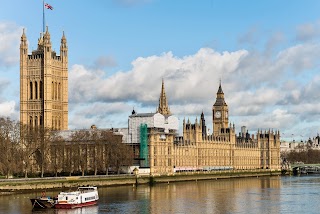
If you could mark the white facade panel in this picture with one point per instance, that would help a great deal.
(156, 120)
(173, 123)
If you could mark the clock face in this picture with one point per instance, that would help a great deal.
(217, 114)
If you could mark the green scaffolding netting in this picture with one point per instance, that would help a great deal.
(144, 145)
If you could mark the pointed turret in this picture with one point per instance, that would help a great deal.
(23, 37)
(203, 126)
(40, 42)
(46, 36)
(163, 104)
(47, 43)
(64, 48)
(63, 42)
(24, 44)
(24, 83)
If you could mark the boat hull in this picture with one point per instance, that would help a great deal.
(72, 206)
(39, 203)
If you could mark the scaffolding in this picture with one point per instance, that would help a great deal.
(144, 145)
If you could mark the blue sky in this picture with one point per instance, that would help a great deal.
(266, 53)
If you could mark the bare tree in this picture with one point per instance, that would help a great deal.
(79, 142)
(41, 138)
(125, 156)
(57, 149)
(26, 148)
(9, 140)
(109, 142)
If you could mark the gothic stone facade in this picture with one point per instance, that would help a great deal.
(44, 84)
(221, 150)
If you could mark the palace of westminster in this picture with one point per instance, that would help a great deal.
(154, 136)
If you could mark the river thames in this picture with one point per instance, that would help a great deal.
(287, 194)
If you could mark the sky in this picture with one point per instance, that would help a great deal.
(266, 54)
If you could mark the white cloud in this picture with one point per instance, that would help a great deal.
(275, 120)
(191, 78)
(7, 109)
(103, 115)
(10, 35)
(299, 57)
(261, 91)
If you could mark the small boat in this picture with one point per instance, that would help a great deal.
(43, 202)
(82, 197)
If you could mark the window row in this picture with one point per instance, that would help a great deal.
(56, 123)
(36, 90)
(56, 91)
(162, 162)
(36, 121)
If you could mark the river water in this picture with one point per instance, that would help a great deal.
(288, 194)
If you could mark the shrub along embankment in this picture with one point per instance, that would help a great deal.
(16, 185)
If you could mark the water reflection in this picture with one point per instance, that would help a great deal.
(222, 196)
(245, 195)
(83, 210)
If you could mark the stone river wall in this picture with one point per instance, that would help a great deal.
(39, 184)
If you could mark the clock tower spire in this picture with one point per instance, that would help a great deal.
(220, 117)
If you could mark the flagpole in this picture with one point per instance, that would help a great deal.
(43, 24)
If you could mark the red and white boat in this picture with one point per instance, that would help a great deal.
(84, 196)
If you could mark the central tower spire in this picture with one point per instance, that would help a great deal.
(163, 103)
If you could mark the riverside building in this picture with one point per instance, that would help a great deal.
(162, 151)
(153, 137)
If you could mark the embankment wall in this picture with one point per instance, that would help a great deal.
(38, 184)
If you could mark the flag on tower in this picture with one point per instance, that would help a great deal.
(48, 6)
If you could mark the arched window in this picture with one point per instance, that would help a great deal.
(41, 120)
(30, 90)
(36, 121)
(55, 123)
(59, 91)
(56, 91)
(30, 122)
(52, 91)
(36, 90)
(41, 90)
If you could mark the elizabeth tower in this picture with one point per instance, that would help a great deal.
(220, 115)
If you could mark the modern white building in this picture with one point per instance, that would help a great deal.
(151, 120)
